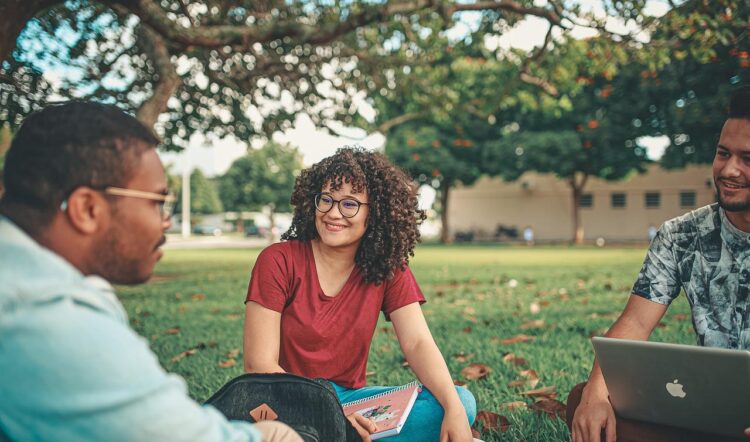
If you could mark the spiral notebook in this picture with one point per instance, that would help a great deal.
(388, 410)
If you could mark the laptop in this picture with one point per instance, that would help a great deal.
(699, 388)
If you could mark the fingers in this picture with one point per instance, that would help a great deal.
(611, 428)
(363, 426)
(366, 423)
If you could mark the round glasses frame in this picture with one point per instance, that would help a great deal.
(343, 212)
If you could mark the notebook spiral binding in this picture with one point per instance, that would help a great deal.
(368, 398)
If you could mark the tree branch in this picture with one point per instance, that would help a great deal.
(154, 16)
(401, 119)
(168, 80)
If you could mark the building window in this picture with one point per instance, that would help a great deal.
(587, 200)
(687, 199)
(618, 200)
(653, 200)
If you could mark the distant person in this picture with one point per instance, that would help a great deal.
(86, 205)
(528, 235)
(313, 301)
(702, 253)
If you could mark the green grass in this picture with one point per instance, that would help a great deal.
(471, 307)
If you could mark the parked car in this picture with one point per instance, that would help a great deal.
(252, 229)
(207, 229)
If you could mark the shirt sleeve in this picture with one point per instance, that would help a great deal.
(269, 282)
(401, 290)
(659, 279)
(78, 374)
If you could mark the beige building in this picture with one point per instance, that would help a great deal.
(620, 211)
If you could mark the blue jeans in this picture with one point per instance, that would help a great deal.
(425, 419)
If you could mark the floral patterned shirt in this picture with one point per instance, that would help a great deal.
(704, 254)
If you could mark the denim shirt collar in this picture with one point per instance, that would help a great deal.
(34, 275)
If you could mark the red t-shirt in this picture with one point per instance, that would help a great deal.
(322, 336)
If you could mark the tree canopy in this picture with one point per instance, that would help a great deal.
(262, 178)
(247, 67)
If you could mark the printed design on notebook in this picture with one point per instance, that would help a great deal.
(389, 410)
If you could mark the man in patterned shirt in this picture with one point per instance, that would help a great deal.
(706, 253)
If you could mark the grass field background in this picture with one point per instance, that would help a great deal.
(478, 296)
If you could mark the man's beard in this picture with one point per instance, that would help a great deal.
(739, 206)
(113, 263)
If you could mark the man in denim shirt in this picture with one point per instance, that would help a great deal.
(86, 205)
(706, 253)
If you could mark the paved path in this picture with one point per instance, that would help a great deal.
(213, 242)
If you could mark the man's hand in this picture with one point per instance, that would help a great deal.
(747, 432)
(364, 426)
(594, 414)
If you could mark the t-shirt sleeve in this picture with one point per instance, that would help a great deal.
(269, 281)
(659, 279)
(401, 290)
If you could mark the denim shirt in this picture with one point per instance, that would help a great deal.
(71, 368)
(704, 254)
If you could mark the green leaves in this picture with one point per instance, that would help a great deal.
(263, 177)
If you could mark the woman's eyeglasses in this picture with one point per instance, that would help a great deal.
(348, 207)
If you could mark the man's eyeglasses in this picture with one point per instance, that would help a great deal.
(165, 208)
(349, 207)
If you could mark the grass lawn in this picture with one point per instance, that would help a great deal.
(477, 297)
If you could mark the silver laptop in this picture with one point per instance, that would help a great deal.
(700, 388)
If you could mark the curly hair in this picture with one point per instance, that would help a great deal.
(394, 217)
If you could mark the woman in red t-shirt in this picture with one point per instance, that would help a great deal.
(314, 300)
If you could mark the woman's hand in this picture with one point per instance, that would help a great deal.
(363, 425)
(455, 427)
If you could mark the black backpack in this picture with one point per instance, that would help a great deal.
(310, 406)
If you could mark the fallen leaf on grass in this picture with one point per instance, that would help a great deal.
(228, 363)
(233, 353)
(537, 323)
(233, 316)
(459, 383)
(551, 407)
(515, 405)
(370, 373)
(172, 331)
(517, 339)
(515, 360)
(545, 392)
(198, 297)
(184, 354)
(680, 316)
(467, 329)
(535, 308)
(476, 371)
(532, 379)
(463, 357)
(490, 421)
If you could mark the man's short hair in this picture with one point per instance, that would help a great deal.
(739, 105)
(63, 147)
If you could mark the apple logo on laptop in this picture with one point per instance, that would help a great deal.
(675, 389)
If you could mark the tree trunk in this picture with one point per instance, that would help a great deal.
(168, 82)
(576, 187)
(445, 236)
(14, 14)
(272, 220)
